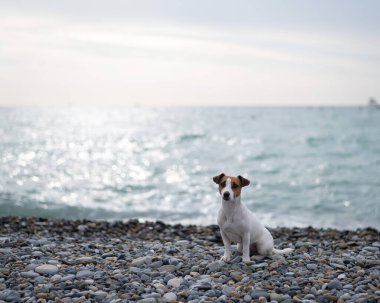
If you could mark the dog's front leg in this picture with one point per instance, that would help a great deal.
(227, 247)
(246, 243)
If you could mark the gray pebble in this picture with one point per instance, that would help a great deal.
(175, 282)
(215, 266)
(151, 295)
(259, 265)
(334, 285)
(155, 264)
(37, 253)
(348, 286)
(260, 293)
(168, 277)
(141, 260)
(68, 278)
(85, 260)
(84, 274)
(236, 260)
(371, 248)
(201, 286)
(226, 290)
(31, 266)
(9, 295)
(167, 268)
(312, 266)
(170, 297)
(47, 269)
(29, 274)
(135, 269)
(100, 294)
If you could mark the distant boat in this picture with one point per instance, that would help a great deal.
(372, 103)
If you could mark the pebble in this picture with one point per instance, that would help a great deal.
(335, 285)
(56, 278)
(167, 268)
(222, 298)
(201, 286)
(100, 294)
(259, 265)
(85, 260)
(170, 297)
(68, 278)
(226, 290)
(31, 266)
(275, 297)
(29, 274)
(141, 261)
(312, 266)
(175, 282)
(9, 295)
(342, 276)
(84, 274)
(215, 266)
(260, 294)
(46, 269)
(154, 262)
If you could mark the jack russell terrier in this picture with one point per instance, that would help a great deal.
(239, 225)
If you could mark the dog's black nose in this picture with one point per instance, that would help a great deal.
(226, 195)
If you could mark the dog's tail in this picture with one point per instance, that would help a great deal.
(284, 251)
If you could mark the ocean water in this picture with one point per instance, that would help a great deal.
(307, 166)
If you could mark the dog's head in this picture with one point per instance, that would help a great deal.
(230, 187)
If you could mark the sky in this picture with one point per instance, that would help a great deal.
(199, 52)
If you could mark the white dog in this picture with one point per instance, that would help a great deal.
(238, 224)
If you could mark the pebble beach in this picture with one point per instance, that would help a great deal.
(45, 260)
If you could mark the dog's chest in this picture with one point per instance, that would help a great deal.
(231, 226)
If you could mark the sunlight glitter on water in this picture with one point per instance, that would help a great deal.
(158, 163)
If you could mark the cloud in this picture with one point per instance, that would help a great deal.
(54, 59)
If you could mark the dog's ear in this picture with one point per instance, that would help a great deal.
(243, 181)
(217, 179)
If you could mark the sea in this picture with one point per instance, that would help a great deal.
(308, 166)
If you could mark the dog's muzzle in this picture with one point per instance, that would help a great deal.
(226, 196)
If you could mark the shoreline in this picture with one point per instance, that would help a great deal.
(55, 260)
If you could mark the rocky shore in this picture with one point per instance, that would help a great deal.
(89, 261)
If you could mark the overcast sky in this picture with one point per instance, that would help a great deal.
(189, 52)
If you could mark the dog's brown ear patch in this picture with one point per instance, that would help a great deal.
(218, 178)
(243, 181)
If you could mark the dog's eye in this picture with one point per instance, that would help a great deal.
(234, 186)
(223, 184)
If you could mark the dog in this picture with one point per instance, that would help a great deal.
(239, 225)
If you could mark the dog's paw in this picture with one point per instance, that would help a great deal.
(246, 259)
(225, 258)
